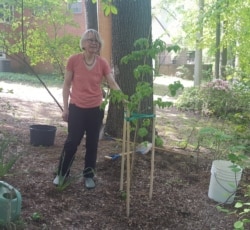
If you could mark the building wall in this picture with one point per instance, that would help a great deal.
(44, 68)
(80, 20)
(105, 27)
(185, 71)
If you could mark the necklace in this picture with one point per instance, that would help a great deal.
(88, 64)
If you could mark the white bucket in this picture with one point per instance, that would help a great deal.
(223, 181)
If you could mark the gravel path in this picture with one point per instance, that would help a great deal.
(29, 93)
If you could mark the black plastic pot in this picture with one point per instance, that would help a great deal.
(43, 135)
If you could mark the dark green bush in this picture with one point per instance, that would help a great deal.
(189, 99)
(217, 98)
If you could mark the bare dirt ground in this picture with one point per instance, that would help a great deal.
(181, 180)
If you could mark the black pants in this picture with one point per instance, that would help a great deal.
(81, 121)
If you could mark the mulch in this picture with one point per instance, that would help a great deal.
(180, 192)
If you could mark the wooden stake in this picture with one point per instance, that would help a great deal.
(123, 150)
(128, 166)
(152, 158)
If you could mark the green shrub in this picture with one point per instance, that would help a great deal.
(216, 140)
(241, 93)
(51, 80)
(6, 161)
(224, 100)
(218, 98)
(189, 99)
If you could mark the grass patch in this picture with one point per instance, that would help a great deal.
(51, 80)
(161, 90)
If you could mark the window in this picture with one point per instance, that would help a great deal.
(76, 7)
(6, 13)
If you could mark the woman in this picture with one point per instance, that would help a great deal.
(82, 97)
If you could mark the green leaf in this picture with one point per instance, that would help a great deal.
(107, 10)
(246, 220)
(232, 157)
(174, 48)
(163, 104)
(235, 168)
(36, 216)
(238, 224)
(174, 87)
(158, 142)
(142, 132)
(114, 10)
(219, 208)
(246, 210)
(238, 205)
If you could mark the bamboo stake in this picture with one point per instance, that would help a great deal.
(123, 151)
(152, 158)
(128, 167)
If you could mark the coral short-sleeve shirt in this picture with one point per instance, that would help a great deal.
(86, 89)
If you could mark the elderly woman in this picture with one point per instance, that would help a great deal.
(82, 97)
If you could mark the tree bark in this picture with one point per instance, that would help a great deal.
(132, 22)
(224, 54)
(91, 15)
(217, 46)
(198, 51)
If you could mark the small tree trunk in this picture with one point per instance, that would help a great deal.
(198, 52)
(224, 54)
(217, 46)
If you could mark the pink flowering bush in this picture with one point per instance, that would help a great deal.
(217, 97)
(218, 84)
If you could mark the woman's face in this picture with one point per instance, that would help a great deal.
(91, 44)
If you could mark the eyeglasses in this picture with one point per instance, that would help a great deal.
(90, 40)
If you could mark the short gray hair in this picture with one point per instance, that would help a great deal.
(84, 37)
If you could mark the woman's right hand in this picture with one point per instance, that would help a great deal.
(65, 115)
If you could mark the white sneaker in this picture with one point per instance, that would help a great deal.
(89, 183)
(60, 180)
(56, 180)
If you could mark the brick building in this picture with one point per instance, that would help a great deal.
(9, 64)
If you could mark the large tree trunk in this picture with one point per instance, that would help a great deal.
(91, 15)
(132, 22)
